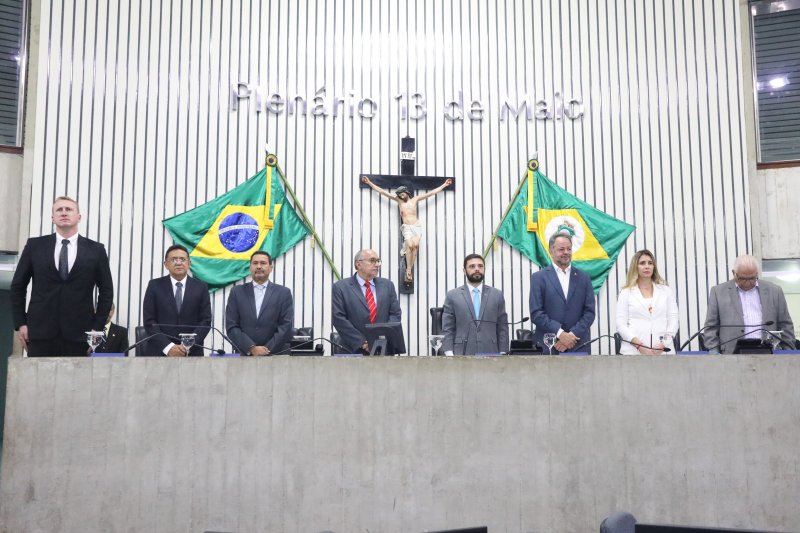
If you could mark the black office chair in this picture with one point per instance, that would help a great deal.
(436, 320)
(336, 340)
(302, 344)
(524, 335)
(619, 522)
(436, 324)
(139, 333)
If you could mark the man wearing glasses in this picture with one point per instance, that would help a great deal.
(745, 300)
(176, 299)
(363, 299)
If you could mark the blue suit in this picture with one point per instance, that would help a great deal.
(351, 314)
(550, 311)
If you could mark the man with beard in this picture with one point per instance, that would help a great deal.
(259, 316)
(474, 318)
(561, 299)
(412, 226)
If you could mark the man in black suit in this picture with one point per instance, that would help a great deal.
(259, 316)
(174, 300)
(65, 268)
(116, 336)
(362, 299)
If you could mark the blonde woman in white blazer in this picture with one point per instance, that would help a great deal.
(646, 308)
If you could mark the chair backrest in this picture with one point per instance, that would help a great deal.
(524, 334)
(619, 522)
(436, 320)
(335, 339)
(303, 332)
(140, 332)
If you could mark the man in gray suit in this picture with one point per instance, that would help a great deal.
(363, 299)
(745, 300)
(259, 316)
(474, 318)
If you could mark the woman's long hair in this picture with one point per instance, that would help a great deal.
(633, 269)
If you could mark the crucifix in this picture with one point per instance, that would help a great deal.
(405, 184)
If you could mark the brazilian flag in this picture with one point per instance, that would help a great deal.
(542, 208)
(222, 234)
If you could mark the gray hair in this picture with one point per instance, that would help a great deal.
(360, 255)
(746, 261)
(551, 242)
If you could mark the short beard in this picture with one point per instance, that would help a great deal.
(475, 278)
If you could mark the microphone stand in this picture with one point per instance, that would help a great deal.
(590, 341)
(197, 326)
(701, 330)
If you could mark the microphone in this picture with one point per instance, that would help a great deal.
(745, 335)
(701, 330)
(590, 341)
(218, 351)
(310, 342)
(140, 342)
(197, 326)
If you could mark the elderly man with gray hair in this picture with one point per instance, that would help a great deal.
(745, 300)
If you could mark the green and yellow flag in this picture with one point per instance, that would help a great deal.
(222, 234)
(542, 208)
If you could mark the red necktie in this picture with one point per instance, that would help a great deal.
(373, 309)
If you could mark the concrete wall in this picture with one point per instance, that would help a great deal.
(400, 444)
(10, 184)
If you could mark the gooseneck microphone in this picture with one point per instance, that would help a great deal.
(140, 342)
(197, 326)
(701, 330)
(768, 332)
(590, 341)
(310, 342)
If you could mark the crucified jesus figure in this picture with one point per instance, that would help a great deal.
(411, 227)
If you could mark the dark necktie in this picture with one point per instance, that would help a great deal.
(373, 309)
(179, 295)
(63, 260)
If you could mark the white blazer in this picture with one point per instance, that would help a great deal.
(634, 320)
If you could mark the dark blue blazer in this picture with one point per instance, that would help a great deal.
(61, 308)
(159, 308)
(274, 325)
(351, 314)
(550, 311)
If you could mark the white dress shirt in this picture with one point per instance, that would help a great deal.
(72, 250)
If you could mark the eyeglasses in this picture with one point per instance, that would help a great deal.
(372, 260)
(748, 280)
(177, 260)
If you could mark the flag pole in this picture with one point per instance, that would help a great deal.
(306, 221)
(505, 214)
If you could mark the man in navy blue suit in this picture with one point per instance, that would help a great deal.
(175, 304)
(259, 316)
(562, 298)
(65, 269)
(362, 299)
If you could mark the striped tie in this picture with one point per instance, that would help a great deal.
(373, 309)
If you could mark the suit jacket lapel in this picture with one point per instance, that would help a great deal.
(556, 283)
(736, 302)
(356, 288)
(80, 256)
(466, 290)
(268, 294)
